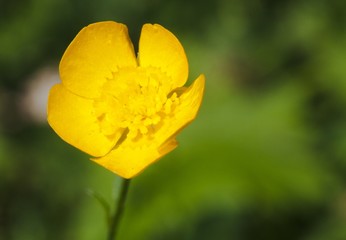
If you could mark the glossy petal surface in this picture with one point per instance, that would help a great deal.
(184, 112)
(128, 161)
(159, 48)
(73, 119)
(95, 53)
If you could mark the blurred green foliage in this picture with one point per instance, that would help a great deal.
(265, 159)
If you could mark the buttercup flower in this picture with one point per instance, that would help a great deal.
(122, 110)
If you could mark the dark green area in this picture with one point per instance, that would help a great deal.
(264, 160)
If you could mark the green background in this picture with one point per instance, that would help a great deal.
(265, 159)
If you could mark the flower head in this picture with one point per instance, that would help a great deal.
(122, 110)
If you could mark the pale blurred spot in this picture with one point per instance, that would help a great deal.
(33, 103)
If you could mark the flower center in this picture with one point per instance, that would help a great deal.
(136, 99)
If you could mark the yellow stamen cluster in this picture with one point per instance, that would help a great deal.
(140, 98)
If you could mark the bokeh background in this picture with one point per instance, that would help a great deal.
(265, 159)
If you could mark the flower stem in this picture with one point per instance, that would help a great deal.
(119, 208)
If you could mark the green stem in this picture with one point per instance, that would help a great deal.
(119, 208)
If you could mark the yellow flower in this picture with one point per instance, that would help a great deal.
(122, 110)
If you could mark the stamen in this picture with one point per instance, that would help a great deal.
(140, 99)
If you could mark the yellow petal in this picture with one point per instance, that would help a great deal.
(185, 112)
(132, 157)
(73, 119)
(161, 49)
(96, 52)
